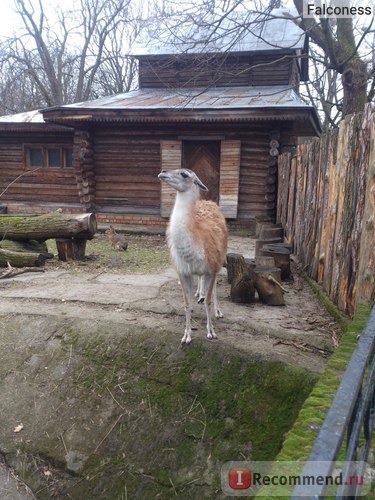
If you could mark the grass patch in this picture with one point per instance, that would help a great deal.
(145, 254)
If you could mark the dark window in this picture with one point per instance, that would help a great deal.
(48, 156)
(54, 157)
(35, 157)
(68, 161)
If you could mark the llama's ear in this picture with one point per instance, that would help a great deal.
(200, 185)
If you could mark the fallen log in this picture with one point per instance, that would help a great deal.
(52, 225)
(21, 259)
(267, 284)
(26, 246)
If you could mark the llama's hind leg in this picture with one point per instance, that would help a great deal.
(199, 294)
(209, 283)
(187, 289)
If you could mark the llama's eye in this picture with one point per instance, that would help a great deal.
(184, 175)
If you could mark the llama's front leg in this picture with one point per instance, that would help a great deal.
(209, 283)
(218, 313)
(187, 288)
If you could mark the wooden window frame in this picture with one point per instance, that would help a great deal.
(45, 160)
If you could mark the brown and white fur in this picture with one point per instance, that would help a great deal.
(197, 238)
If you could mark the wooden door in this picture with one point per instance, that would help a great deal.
(203, 157)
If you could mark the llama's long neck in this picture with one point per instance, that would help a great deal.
(183, 207)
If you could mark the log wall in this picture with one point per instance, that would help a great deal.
(201, 71)
(47, 185)
(326, 203)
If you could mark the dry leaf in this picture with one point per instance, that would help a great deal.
(18, 428)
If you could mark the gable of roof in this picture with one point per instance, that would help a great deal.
(237, 32)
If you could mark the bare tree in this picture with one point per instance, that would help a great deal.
(79, 55)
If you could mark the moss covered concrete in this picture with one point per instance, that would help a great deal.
(300, 438)
(111, 412)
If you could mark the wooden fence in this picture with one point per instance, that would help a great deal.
(326, 203)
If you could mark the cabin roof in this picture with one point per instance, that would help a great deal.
(34, 116)
(238, 32)
(196, 98)
(198, 105)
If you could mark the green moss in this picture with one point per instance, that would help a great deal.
(178, 415)
(301, 437)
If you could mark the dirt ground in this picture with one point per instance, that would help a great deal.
(300, 333)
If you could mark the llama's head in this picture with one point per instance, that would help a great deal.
(182, 180)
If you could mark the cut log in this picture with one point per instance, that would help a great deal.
(260, 225)
(264, 261)
(267, 232)
(43, 227)
(281, 256)
(21, 259)
(259, 244)
(242, 290)
(235, 265)
(268, 286)
(240, 276)
(70, 249)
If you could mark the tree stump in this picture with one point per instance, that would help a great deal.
(264, 261)
(240, 276)
(261, 226)
(281, 256)
(235, 265)
(70, 249)
(267, 283)
(259, 244)
(271, 232)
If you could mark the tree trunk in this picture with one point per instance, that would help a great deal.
(354, 82)
(43, 227)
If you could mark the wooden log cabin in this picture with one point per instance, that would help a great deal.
(225, 115)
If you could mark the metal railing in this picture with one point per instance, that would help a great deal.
(352, 414)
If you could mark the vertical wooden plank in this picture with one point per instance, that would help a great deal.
(230, 159)
(171, 152)
(364, 288)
